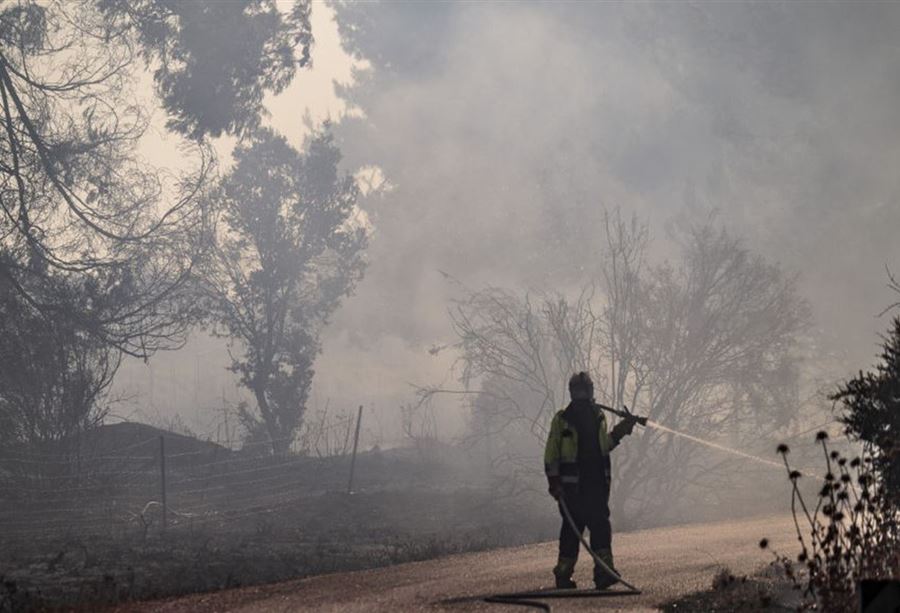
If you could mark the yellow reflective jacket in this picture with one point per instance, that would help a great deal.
(561, 451)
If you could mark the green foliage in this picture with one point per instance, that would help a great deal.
(215, 61)
(24, 26)
(80, 206)
(52, 373)
(871, 404)
(99, 249)
(290, 251)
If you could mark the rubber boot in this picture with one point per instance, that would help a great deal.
(603, 579)
(563, 571)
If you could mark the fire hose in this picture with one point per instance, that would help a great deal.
(529, 599)
(597, 559)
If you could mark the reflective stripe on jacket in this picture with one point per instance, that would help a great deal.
(561, 451)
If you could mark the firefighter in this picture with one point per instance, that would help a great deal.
(576, 461)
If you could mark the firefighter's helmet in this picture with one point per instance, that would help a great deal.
(581, 386)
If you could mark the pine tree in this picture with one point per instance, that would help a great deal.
(871, 403)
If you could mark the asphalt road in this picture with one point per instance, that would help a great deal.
(664, 562)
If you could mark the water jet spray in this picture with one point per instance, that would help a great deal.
(649, 423)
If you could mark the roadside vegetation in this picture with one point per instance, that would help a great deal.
(767, 590)
(850, 532)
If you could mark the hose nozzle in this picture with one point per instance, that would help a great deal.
(625, 414)
(641, 420)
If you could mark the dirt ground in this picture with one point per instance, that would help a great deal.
(666, 563)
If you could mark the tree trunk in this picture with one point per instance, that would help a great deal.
(270, 420)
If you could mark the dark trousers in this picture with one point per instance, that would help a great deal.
(589, 506)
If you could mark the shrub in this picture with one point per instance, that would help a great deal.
(852, 533)
(871, 410)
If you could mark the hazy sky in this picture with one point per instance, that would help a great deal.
(504, 129)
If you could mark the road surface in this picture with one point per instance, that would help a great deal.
(665, 562)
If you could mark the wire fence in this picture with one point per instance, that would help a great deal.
(142, 489)
(150, 486)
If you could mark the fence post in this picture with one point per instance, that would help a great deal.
(355, 443)
(162, 474)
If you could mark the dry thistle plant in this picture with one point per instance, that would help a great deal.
(852, 533)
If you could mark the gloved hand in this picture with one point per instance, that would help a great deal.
(623, 429)
(555, 488)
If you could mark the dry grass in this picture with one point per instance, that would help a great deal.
(329, 533)
(765, 591)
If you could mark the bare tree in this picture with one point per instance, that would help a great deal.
(290, 251)
(716, 357)
(419, 426)
(706, 345)
(327, 433)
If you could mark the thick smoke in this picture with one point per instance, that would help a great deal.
(504, 130)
